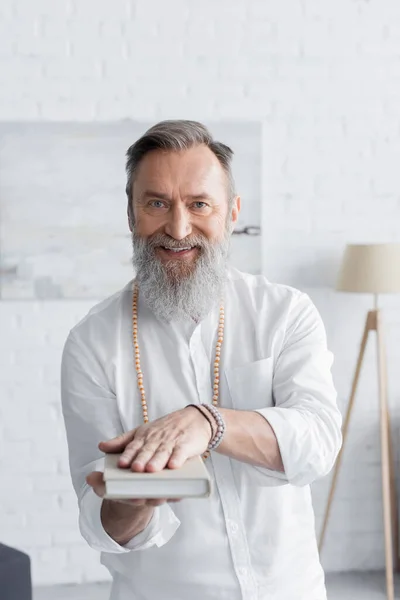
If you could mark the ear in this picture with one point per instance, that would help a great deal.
(130, 217)
(235, 209)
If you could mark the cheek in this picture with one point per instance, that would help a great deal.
(214, 228)
(144, 224)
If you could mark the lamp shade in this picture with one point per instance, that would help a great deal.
(370, 268)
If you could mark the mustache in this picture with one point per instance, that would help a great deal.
(165, 241)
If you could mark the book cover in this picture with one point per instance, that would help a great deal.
(190, 480)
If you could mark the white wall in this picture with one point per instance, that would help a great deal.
(324, 78)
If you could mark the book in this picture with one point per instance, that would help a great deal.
(192, 480)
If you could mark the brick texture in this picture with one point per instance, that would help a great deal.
(324, 79)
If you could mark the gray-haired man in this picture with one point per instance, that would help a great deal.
(191, 330)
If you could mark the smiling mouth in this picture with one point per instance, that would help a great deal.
(178, 251)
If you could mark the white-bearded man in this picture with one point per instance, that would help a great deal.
(190, 329)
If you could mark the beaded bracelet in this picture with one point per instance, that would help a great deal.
(219, 434)
(197, 407)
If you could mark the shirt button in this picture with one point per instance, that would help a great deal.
(232, 526)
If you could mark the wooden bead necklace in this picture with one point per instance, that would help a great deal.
(139, 372)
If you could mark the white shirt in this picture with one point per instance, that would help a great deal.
(254, 538)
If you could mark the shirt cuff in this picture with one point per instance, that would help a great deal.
(158, 531)
(290, 429)
(92, 528)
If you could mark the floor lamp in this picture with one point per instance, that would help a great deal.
(373, 269)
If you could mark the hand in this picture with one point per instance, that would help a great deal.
(165, 442)
(96, 481)
(123, 519)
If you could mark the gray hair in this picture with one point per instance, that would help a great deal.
(175, 136)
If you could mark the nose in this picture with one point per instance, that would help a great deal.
(178, 224)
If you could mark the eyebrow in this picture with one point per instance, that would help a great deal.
(161, 196)
(151, 194)
(201, 197)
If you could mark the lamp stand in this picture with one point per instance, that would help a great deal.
(389, 495)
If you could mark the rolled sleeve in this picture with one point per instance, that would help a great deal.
(91, 527)
(91, 414)
(159, 530)
(305, 418)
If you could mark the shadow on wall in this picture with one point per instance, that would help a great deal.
(355, 527)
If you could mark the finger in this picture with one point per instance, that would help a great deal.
(156, 501)
(178, 457)
(137, 501)
(96, 481)
(118, 443)
(159, 460)
(174, 499)
(130, 452)
(142, 458)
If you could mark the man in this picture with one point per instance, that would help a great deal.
(191, 330)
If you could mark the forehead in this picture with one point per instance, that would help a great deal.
(188, 170)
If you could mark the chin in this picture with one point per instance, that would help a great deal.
(178, 270)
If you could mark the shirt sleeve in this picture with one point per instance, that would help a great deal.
(91, 415)
(158, 532)
(305, 418)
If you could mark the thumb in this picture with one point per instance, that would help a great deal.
(96, 481)
(118, 443)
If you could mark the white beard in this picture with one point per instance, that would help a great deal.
(177, 290)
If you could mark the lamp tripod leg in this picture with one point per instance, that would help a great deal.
(344, 430)
(394, 506)
(387, 475)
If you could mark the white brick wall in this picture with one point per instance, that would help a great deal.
(324, 78)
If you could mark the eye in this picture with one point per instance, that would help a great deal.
(156, 203)
(200, 204)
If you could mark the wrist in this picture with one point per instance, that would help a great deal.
(122, 521)
(219, 431)
(215, 420)
(206, 420)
